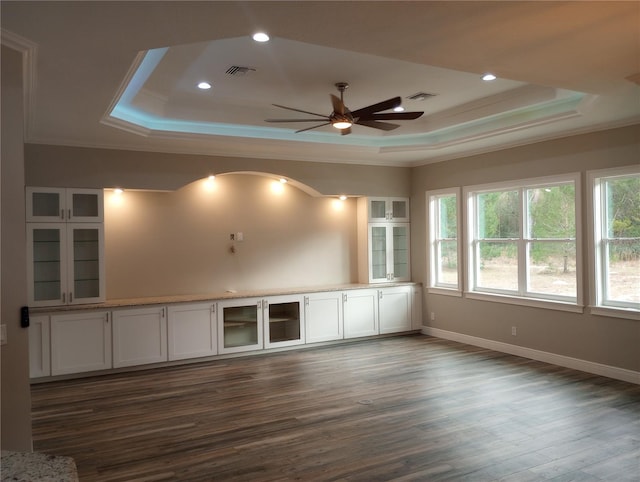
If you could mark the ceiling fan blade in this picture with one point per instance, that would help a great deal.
(346, 131)
(380, 106)
(338, 105)
(392, 116)
(292, 120)
(299, 110)
(385, 126)
(314, 127)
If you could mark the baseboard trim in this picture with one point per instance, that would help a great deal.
(543, 356)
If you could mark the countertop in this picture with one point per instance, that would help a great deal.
(225, 295)
(35, 467)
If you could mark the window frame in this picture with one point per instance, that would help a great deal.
(598, 266)
(434, 239)
(523, 295)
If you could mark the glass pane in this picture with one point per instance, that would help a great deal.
(45, 204)
(378, 209)
(447, 217)
(623, 206)
(86, 263)
(379, 252)
(240, 325)
(85, 205)
(399, 209)
(498, 214)
(623, 271)
(552, 212)
(284, 321)
(447, 260)
(400, 252)
(552, 268)
(46, 264)
(498, 266)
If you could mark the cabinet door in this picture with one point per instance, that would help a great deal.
(139, 336)
(80, 342)
(399, 256)
(395, 309)
(377, 209)
(85, 205)
(46, 264)
(192, 331)
(398, 209)
(85, 244)
(46, 204)
(39, 346)
(283, 321)
(378, 252)
(240, 325)
(360, 313)
(323, 316)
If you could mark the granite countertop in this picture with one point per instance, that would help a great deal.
(35, 467)
(225, 295)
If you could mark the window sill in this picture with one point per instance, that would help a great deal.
(534, 303)
(627, 314)
(444, 291)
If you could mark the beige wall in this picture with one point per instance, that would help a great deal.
(170, 243)
(15, 420)
(599, 339)
(64, 166)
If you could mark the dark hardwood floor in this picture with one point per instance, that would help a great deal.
(401, 408)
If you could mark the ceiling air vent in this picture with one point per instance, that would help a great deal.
(239, 71)
(421, 96)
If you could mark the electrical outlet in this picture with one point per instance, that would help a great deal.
(514, 331)
(232, 237)
(433, 316)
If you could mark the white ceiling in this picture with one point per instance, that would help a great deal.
(123, 74)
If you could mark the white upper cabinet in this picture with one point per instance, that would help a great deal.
(388, 252)
(388, 209)
(54, 205)
(65, 263)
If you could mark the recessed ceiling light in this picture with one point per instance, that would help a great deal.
(342, 197)
(283, 180)
(488, 77)
(204, 85)
(260, 37)
(398, 109)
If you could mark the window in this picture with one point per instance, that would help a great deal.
(616, 223)
(444, 248)
(523, 239)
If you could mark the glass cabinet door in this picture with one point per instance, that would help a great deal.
(401, 252)
(240, 324)
(45, 204)
(46, 274)
(85, 205)
(86, 276)
(378, 252)
(283, 321)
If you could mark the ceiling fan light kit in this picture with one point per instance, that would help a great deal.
(342, 118)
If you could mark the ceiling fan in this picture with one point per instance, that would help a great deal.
(342, 118)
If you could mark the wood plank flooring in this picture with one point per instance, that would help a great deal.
(401, 408)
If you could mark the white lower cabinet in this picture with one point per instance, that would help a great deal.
(395, 309)
(39, 346)
(192, 331)
(139, 336)
(83, 341)
(323, 316)
(80, 342)
(360, 313)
